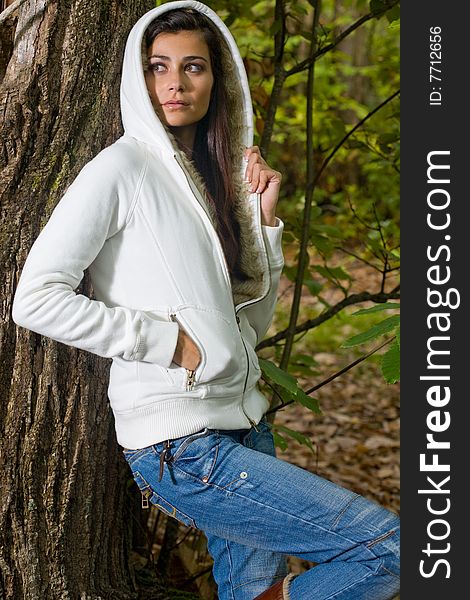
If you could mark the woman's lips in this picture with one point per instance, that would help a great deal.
(176, 104)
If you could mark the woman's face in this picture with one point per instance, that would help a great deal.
(179, 77)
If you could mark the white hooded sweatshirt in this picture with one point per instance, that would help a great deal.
(136, 217)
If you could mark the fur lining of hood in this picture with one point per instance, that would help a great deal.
(250, 260)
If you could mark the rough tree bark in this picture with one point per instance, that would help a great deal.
(62, 494)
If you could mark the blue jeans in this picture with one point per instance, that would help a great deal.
(256, 510)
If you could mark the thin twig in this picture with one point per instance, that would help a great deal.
(356, 256)
(350, 132)
(302, 66)
(334, 376)
(350, 366)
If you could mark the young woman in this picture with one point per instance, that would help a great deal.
(176, 223)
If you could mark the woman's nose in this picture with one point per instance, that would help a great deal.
(176, 83)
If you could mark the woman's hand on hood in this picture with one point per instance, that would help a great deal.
(265, 181)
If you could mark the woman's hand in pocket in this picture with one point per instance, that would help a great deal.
(186, 352)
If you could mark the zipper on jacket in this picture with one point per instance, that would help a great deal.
(190, 373)
(252, 423)
(268, 270)
(190, 379)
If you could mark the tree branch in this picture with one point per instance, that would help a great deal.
(349, 134)
(305, 63)
(303, 250)
(379, 298)
(279, 78)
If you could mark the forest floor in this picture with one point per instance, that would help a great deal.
(355, 440)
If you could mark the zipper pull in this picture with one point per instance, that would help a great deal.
(190, 379)
(190, 374)
(164, 457)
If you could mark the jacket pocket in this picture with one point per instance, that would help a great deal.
(217, 339)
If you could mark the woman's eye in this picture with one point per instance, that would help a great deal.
(194, 67)
(158, 67)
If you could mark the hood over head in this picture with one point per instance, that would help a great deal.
(138, 115)
(141, 122)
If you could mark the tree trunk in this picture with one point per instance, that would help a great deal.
(63, 502)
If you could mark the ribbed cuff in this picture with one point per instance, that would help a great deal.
(157, 342)
(273, 240)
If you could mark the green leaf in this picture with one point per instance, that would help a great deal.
(298, 9)
(290, 272)
(299, 437)
(304, 371)
(305, 400)
(314, 287)
(391, 364)
(315, 211)
(229, 20)
(388, 138)
(304, 359)
(327, 229)
(374, 332)
(275, 27)
(376, 6)
(322, 243)
(332, 273)
(288, 236)
(376, 308)
(278, 376)
(279, 440)
(303, 365)
(393, 14)
(288, 383)
(397, 333)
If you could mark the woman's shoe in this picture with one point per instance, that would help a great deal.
(272, 593)
(278, 591)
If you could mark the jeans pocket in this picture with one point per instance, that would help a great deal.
(159, 502)
(196, 454)
(262, 440)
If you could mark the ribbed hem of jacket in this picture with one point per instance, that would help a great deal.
(167, 419)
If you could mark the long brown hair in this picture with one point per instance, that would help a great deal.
(211, 152)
